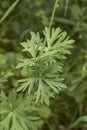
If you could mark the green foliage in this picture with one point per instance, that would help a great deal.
(20, 18)
(16, 113)
(44, 63)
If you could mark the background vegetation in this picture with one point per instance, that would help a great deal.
(17, 19)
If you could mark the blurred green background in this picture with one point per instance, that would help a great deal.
(17, 19)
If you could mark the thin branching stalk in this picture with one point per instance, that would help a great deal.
(53, 12)
(52, 16)
(6, 14)
(66, 7)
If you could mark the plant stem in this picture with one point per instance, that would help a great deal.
(52, 16)
(53, 13)
(8, 11)
(66, 7)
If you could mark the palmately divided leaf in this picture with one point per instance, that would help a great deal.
(44, 63)
(15, 112)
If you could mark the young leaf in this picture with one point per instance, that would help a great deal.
(45, 64)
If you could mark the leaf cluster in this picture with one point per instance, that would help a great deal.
(44, 63)
(17, 112)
